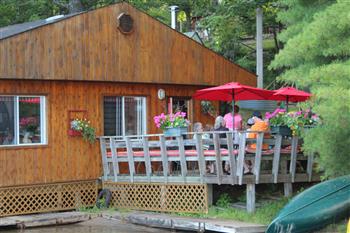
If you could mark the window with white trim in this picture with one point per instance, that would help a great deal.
(22, 120)
(124, 115)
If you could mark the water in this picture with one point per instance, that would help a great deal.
(96, 225)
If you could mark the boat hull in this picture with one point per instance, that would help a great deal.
(314, 208)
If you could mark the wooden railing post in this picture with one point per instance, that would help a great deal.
(276, 157)
(201, 160)
(130, 158)
(180, 141)
(241, 154)
(218, 160)
(147, 158)
(164, 155)
(104, 158)
(293, 157)
(258, 152)
(115, 163)
(232, 157)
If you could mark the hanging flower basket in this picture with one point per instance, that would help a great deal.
(174, 132)
(82, 127)
(172, 124)
(74, 133)
(282, 130)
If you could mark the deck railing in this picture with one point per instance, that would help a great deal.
(184, 159)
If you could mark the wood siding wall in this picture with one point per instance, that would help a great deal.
(90, 47)
(68, 158)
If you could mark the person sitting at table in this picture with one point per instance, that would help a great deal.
(259, 125)
(220, 126)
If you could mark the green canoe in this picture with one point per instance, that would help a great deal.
(314, 208)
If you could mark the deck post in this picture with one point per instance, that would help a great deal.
(251, 198)
(288, 189)
(210, 194)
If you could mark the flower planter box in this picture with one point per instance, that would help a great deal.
(282, 130)
(173, 132)
(74, 133)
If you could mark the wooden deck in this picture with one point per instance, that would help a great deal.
(185, 159)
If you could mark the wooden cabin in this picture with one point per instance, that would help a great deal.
(115, 66)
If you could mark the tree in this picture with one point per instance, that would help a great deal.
(317, 56)
(231, 25)
(19, 11)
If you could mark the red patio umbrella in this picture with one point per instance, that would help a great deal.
(290, 94)
(232, 92)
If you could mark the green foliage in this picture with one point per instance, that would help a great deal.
(231, 27)
(19, 11)
(263, 215)
(83, 126)
(296, 121)
(224, 200)
(317, 56)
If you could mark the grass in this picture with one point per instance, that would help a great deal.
(263, 215)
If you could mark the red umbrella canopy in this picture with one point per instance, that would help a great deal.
(233, 91)
(290, 94)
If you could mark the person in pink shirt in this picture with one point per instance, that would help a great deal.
(237, 120)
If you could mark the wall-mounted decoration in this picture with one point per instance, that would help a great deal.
(73, 115)
(125, 23)
(161, 94)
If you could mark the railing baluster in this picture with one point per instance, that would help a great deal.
(293, 157)
(276, 157)
(201, 160)
(180, 141)
(104, 158)
(258, 152)
(130, 159)
(163, 152)
(218, 160)
(232, 157)
(147, 158)
(114, 159)
(241, 154)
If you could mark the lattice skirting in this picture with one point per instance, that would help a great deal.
(190, 198)
(47, 197)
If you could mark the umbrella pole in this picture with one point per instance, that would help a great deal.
(287, 104)
(233, 110)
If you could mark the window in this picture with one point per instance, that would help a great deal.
(124, 115)
(22, 120)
